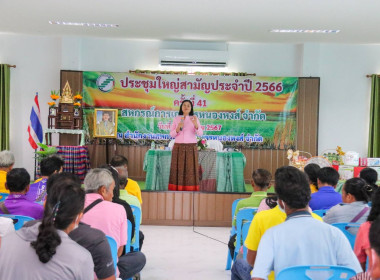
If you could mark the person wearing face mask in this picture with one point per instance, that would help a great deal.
(261, 222)
(48, 250)
(292, 243)
(101, 213)
(184, 164)
(92, 239)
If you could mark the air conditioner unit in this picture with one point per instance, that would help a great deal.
(169, 57)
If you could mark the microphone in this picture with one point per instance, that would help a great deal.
(182, 120)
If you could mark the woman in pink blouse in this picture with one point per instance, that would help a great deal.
(362, 238)
(184, 165)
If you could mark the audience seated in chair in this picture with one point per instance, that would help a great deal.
(116, 199)
(326, 196)
(7, 161)
(354, 209)
(48, 166)
(18, 180)
(44, 248)
(291, 243)
(260, 182)
(120, 163)
(312, 173)
(110, 218)
(362, 243)
(123, 194)
(90, 238)
(261, 222)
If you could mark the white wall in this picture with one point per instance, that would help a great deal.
(344, 99)
(38, 61)
(345, 95)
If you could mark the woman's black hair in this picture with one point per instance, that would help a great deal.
(358, 188)
(271, 200)
(191, 111)
(312, 172)
(375, 208)
(370, 176)
(65, 200)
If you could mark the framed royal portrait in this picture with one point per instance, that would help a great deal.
(105, 123)
(53, 111)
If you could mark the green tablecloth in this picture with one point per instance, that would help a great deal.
(229, 170)
(339, 186)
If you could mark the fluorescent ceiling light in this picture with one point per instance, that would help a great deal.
(88, 24)
(304, 31)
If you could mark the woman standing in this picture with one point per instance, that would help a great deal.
(184, 166)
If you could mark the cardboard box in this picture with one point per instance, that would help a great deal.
(346, 172)
(369, 162)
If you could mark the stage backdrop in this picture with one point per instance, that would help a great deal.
(244, 111)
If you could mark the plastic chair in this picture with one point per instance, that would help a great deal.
(344, 228)
(3, 196)
(114, 248)
(129, 237)
(232, 231)
(320, 212)
(320, 272)
(18, 220)
(244, 233)
(137, 216)
(243, 215)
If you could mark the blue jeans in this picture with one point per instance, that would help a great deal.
(241, 270)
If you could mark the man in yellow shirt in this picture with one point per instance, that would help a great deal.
(261, 222)
(120, 163)
(7, 161)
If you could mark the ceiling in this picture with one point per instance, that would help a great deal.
(198, 20)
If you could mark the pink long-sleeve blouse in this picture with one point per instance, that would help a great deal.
(188, 133)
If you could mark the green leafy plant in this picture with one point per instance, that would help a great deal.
(45, 151)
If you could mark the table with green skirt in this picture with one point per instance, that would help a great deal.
(219, 171)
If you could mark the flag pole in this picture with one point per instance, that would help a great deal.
(35, 164)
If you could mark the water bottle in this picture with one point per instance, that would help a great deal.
(152, 146)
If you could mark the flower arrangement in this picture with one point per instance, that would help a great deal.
(340, 151)
(297, 160)
(55, 96)
(77, 99)
(201, 144)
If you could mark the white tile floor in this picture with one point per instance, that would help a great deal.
(180, 253)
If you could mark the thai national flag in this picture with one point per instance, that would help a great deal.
(35, 127)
